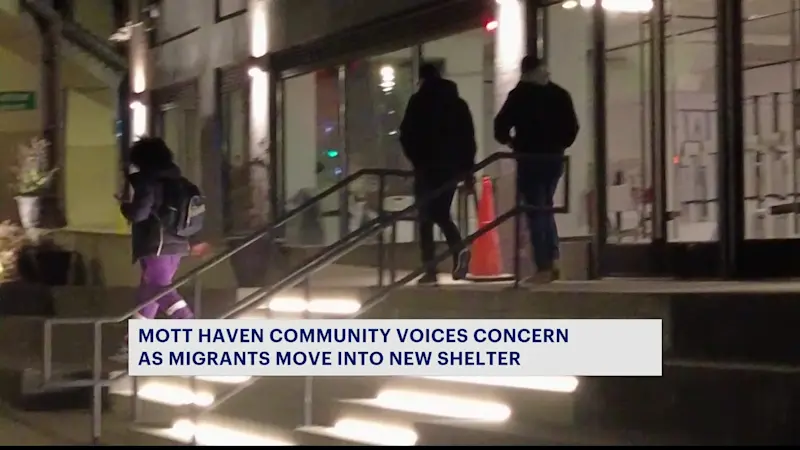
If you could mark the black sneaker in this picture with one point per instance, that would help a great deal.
(462, 265)
(429, 279)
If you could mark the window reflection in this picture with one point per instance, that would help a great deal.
(378, 89)
(691, 120)
(234, 107)
(313, 155)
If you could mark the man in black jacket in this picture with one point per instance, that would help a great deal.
(543, 118)
(438, 137)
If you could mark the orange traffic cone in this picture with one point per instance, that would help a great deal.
(485, 262)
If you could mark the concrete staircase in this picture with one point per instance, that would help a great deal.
(714, 391)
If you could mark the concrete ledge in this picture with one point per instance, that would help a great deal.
(575, 257)
(745, 407)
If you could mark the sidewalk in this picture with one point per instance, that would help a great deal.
(63, 428)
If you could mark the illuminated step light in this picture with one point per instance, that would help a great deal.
(550, 384)
(331, 306)
(443, 405)
(225, 379)
(168, 394)
(375, 433)
(214, 434)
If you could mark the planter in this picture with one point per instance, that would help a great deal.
(31, 210)
(47, 265)
(39, 211)
(258, 264)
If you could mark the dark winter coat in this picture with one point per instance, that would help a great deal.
(542, 116)
(437, 132)
(149, 238)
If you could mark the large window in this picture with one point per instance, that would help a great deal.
(313, 153)
(692, 122)
(176, 121)
(568, 46)
(237, 163)
(628, 180)
(771, 119)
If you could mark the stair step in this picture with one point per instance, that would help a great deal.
(530, 398)
(373, 410)
(216, 431)
(324, 436)
(532, 433)
(280, 401)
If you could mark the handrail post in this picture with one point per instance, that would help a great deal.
(197, 298)
(97, 387)
(136, 405)
(47, 354)
(392, 259)
(517, 230)
(308, 382)
(194, 409)
(381, 188)
(197, 302)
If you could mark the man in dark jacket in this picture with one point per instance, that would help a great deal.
(157, 251)
(438, 137)
(543, 118)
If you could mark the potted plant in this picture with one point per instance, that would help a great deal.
(33, 176)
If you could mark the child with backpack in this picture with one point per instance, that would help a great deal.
(165, 210)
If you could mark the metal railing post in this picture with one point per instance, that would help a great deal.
(47, 353)
(197, 303)
(517, 231)
(381, 256)
(308, 382)
(392, 248)
(136, 406)
(97, 386)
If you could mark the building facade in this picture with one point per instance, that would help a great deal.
(685, 163)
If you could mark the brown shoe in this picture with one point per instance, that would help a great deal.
(542, 277)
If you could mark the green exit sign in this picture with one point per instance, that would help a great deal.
(17, 101)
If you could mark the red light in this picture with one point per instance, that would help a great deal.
(491, 26)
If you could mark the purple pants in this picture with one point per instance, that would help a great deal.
(157, 273)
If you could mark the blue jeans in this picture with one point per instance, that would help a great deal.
(537, 182)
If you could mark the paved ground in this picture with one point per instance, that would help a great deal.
(64, 428)
(351, 276)
(17, 428)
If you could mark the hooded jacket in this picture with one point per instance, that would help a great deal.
(149, 237)
(542, 116)
(437, 132)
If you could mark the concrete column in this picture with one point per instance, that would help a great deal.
(261, 103)
(509, 49)
(52, 106)
(570, 66)
(209, 157)
(139, 72)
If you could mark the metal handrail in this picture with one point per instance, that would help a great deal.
(224, 256)
(313, 265)
(344, 244)
(338, 249)
(381, 295)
